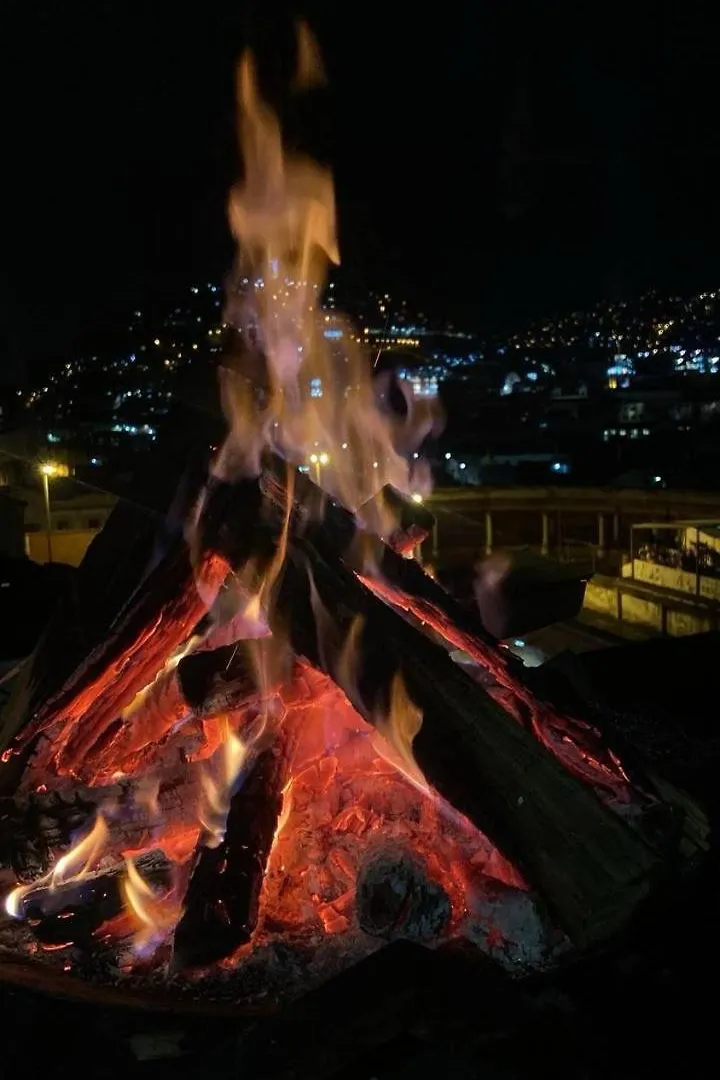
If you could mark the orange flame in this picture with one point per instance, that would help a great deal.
(152, 915)
(217, 784)
(394, 733)
(309, 71)
(319, 407)
(75, 865)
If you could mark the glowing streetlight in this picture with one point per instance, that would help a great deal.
(319, 460)
(416, 497)
(48, 469)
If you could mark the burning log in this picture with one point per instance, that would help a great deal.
(396, 899)
(32, 829)
(203, 685)
(479, 758)
(216, 681)
(71, 914)
(160, 619)
(222, 899)
(359, 548)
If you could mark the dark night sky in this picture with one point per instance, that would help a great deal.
(492, 160)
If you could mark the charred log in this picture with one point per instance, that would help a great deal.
(203, 686)
(354, 546)
(215, 681)
(222, 900)
(33, 829)
(159, 619)
(71, 914)
(396, 899)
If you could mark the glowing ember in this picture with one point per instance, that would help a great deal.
(344, 801)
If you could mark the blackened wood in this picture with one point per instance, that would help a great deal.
(203, 685)
(222, 900)
(395, 898)
(216, 679)
(161, 621)
(35, 828)
(160, 612)
(71, 913)
(591, 869)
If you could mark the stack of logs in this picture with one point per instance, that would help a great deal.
(496, 765)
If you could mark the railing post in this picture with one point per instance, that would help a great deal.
(545, 548)
(601, 535)
(488, 532)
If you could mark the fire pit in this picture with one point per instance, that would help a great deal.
(267, 765)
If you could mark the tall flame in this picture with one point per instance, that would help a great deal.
(300, 382)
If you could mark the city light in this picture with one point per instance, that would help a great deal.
(416, 497)
(51, 468)
(614, 350)
(47, 470)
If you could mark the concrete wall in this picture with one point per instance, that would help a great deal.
(68, 545)
(603, 598)
(666, 577)
(645, 605)
(679, 623)
(640, 609)
(709, 587)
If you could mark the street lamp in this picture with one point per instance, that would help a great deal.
(48, 469)
(318, 460)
